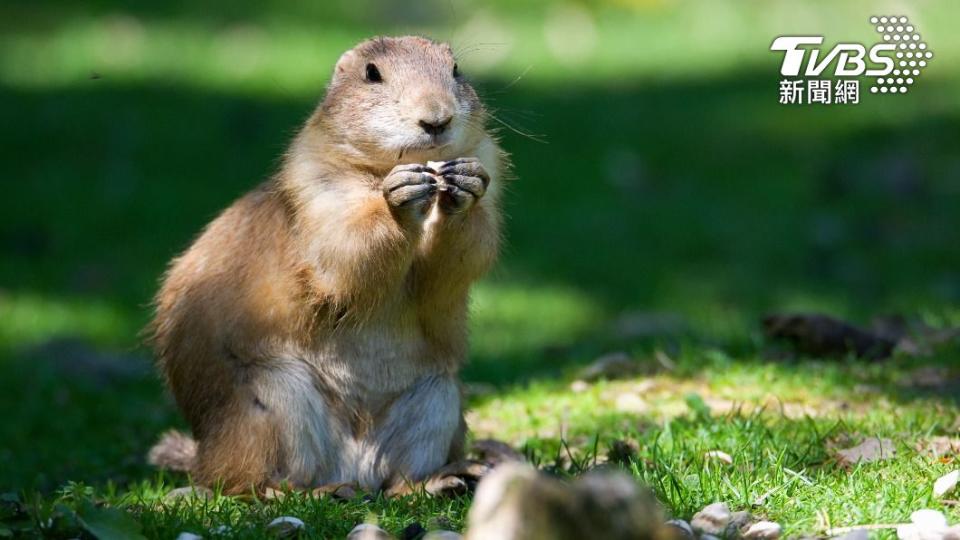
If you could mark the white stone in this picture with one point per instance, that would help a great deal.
(946, 483)
(686, 531)
(368, 531)
(713, 519)
(285, 526)
(763, 530)
(189, 536)
(930, 519)
(925, 525)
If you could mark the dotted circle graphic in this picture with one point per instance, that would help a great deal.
(912, 53)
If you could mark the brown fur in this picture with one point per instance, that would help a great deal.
(315, 277)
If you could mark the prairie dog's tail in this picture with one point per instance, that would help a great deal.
(175, 451)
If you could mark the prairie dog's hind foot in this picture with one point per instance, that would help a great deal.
(175, 451)
(451, 480)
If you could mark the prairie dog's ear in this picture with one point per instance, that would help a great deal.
(345, 63)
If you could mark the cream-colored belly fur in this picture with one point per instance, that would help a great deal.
(377, 372)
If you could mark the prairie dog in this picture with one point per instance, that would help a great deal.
(313, 334)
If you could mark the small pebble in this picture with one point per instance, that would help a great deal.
(946, 483)
(413, 531)
(909, 531)
(442, 535)
(631, 403)
(686, 531)
(857, 534)
(368, 531)
(713, 519)
(738, 521)
(189, 536)
(763, 530)
(924, 524)
(719, 455)
(285, 526)
(931, 519)
(189, 492)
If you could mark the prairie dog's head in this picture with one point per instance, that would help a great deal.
(402, 100)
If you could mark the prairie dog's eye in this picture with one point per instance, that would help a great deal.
(373, 74)
(456, 70)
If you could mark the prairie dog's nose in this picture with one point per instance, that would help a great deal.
(436, 126)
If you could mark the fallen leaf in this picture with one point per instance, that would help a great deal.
(109, 523)
(938, 446)
(870, 450)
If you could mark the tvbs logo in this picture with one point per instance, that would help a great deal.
(892, 65)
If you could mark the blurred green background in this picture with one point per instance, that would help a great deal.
(660, 184)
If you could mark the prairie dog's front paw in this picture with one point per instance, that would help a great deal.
(465, 181)
(410, 189)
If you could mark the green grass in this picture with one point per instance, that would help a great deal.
(671, 182)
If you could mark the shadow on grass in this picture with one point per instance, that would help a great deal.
(702, 198)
